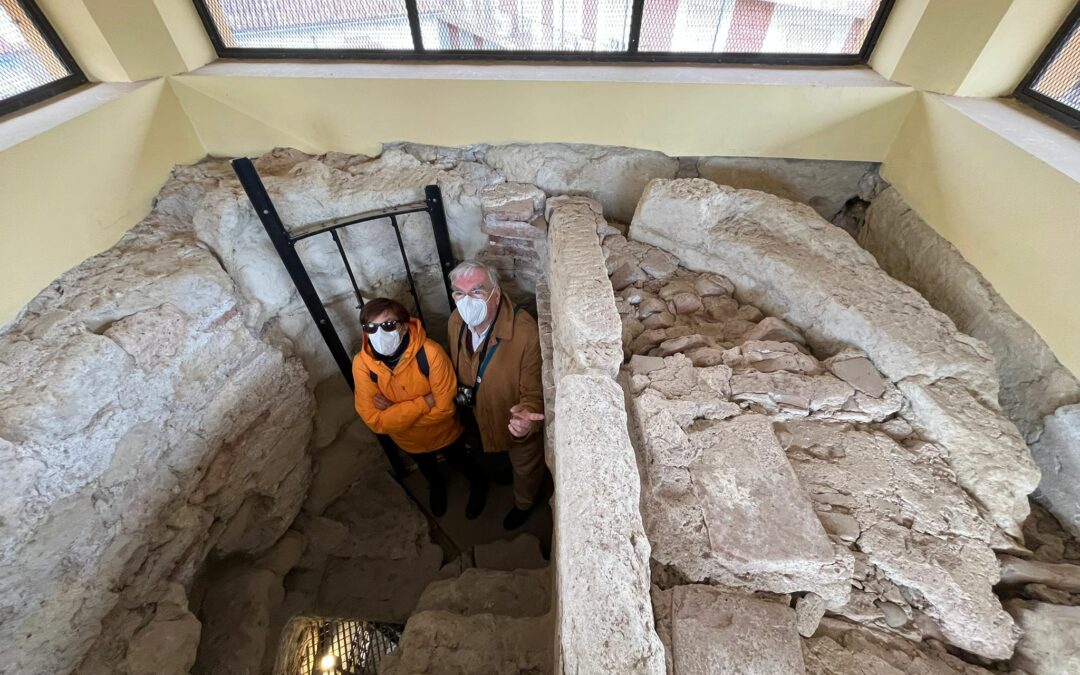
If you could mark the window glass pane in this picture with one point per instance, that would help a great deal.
(27, 61)
(526, 25)
(757, 26)
(1060, 79)
(312, 24)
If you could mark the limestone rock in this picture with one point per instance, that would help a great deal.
(602, 542)
(985, 450)
(824, 185)
(686, 303)
(663, 319)
(119, 462)
(1051, 641)
(627, 274)
(786, 260)
(238, 609)
(659, 264)
(512, 201)
(809, 609)
(840, 647)
(1057, 453)
(478, 591)
(709, 285)
(1033, 383)
(355, 452)
(858, 371)
(512, 229)
(443, 642)
(768, 357)
(588, 334)
(721, 501)
(713, 631)
(615, 177)
(775, 330)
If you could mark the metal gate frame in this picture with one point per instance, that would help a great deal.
(285, 241)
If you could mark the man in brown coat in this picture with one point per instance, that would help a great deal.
(495, 351)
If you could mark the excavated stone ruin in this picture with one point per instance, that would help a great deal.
(768, 454)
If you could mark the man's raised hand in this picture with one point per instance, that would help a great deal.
(522, 420)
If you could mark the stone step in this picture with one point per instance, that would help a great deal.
(445, 643)
(520, 593)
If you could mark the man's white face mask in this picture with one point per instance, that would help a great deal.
(473, 310)
(385, 342)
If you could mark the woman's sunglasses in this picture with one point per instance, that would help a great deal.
(387, 326)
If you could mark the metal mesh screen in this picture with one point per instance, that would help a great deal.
(320, 646)
(757, 26)
(27, 60)
(526, 25)
(1060, 78)
(312, 24)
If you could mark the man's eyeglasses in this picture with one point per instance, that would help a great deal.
(478, 293)
(387, 326)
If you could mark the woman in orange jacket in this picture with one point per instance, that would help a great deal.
(405, 388)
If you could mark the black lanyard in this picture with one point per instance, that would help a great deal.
(484, 356)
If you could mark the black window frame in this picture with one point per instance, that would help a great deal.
(45, 91)
(1025, 92)
(631, 55)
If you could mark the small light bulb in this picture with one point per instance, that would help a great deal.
(328, 663)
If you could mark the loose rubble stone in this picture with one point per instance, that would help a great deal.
(774, 330)
(660, 320)
(1016, 571)
(809, 609)
(512, 229)
(1051, 641)
(768, 357)
(709, 285)
(857, 370)
(627, 274)
(841, 647)
(686, 303)
(658, 264)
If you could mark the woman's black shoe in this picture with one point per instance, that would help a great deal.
(477, 500)
(516, 518)
(437, 500)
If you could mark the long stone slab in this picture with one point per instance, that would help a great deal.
(721, 500)
(788, 261)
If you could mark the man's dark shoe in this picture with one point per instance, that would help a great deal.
(477, 500)
(516, 518)
(437, 500)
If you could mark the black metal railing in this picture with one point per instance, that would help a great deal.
(324, 646)
(285, 240)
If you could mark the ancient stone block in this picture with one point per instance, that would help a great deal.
(602, 543)
(519, 202)
(587, 331)
(1057, 453)
(713, 631)
(1051, 641)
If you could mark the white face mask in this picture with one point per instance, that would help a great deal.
(385, 342)
(473, 311)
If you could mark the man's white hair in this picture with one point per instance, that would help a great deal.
(468, 266)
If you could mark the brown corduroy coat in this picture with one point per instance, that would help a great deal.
(512, 376)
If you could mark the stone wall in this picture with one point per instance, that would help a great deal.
(1037, 393)
(786, 260)
(604, 620)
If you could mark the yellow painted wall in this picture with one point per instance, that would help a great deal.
(1016, 43)
(248, 115)
(73, 191)
(1012, 216)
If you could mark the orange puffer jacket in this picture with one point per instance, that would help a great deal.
(410, 422)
